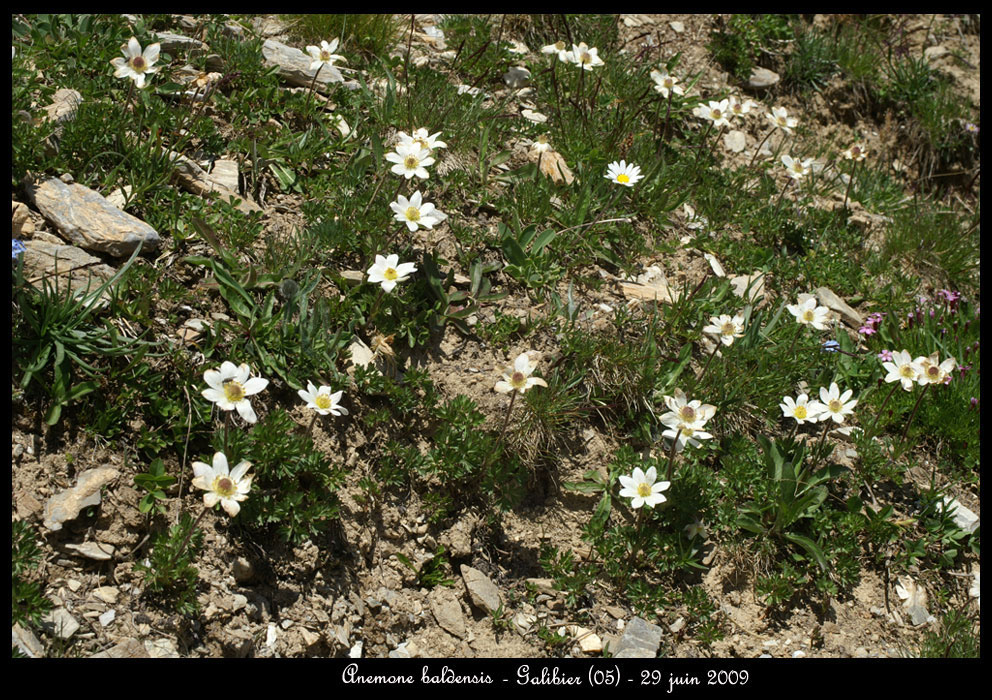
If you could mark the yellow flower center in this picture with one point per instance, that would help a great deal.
(687, 431)
(390, 274)
(323, 401)
(933, 371)
(835, 406)
(560, 45)
(729, 328)
(906, 371)
(422, 143)
(716, 114)
(518, 380)
(622, 177)
(808, 315)
(585, 57)
(688, 414)
(325, 56)
(138, 63)
(224, 487)
(412, 214)
(411, 162)
(801, 412)
(644, 489)
(668, 82)
(233, 391)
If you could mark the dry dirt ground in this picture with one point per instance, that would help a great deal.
(327, 598)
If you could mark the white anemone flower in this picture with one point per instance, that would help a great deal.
(324, 55)
(411, 159)
(423, 139)
(517, 378)
(643, 488)
(137, 64)
(560, 48)
(415, 213)
(933, 373)
(230, 387)
(808, 313)
(857, 153)
(717, 112)
(903, 368)
(623, 173)
(740, 107)
(780, 118)
(389, 272)
(222, 486)
(696, 528)
(584, 57)
(322, 400)
(795, 168)
(726, 328)
(666, 84)
(686, 435)
(835, 404)
(541, 144)
(687, 412)
(802, 410)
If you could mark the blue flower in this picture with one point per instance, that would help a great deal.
(16, 248)
(831, 346)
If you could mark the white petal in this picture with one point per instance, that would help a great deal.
(246, 411)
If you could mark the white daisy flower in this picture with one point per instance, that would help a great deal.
(903, 368)
(137, 64)
(389, 272)
(808, 313)
(623, 174)
(666, 84)
(324, 55)
(541, 145)
(801, 409)
(322, 400)
(835, 404)
(222, 486)
(517, 378)
(726, 328)
(780, 118)
(411, 160)
(415, 213)
(643, 488)
(695, 529)
(584, 57)
(687, 412)
(230, 387)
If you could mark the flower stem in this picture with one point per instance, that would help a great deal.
(826, 429)
(313, 85)
(502, 432)
(671, 455)
(758, 148)
(374, 193)
(905, 430)
(312, 421)
(794, 339)
(702, 374)
(850, 181)
(882, 408)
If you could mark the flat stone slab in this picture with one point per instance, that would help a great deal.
(172, 43)
(294, 65)
(193, 178)
(448, 611)
(762, 78)
(88, 220)
(67, 505)
(61, 265)
(125, 649)
(482, 591)
(835, 303)
(641, 640)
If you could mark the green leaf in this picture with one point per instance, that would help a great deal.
(810, 546)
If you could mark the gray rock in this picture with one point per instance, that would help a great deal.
(243, 570)
(641, 640)
(195, 179)
(294, 66)
(67, 505)
(835, 303)
(225, 174)
(447, 611)
(66, 268)
(25, 640)
(97, 551)
(129, 648)
(107, 617)
(88, 220)
(482, 591)
(963, 518)
(106, 594)
(173, 43)
(59, 622)
(762, 78)
(517, 77)
(161, 649)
